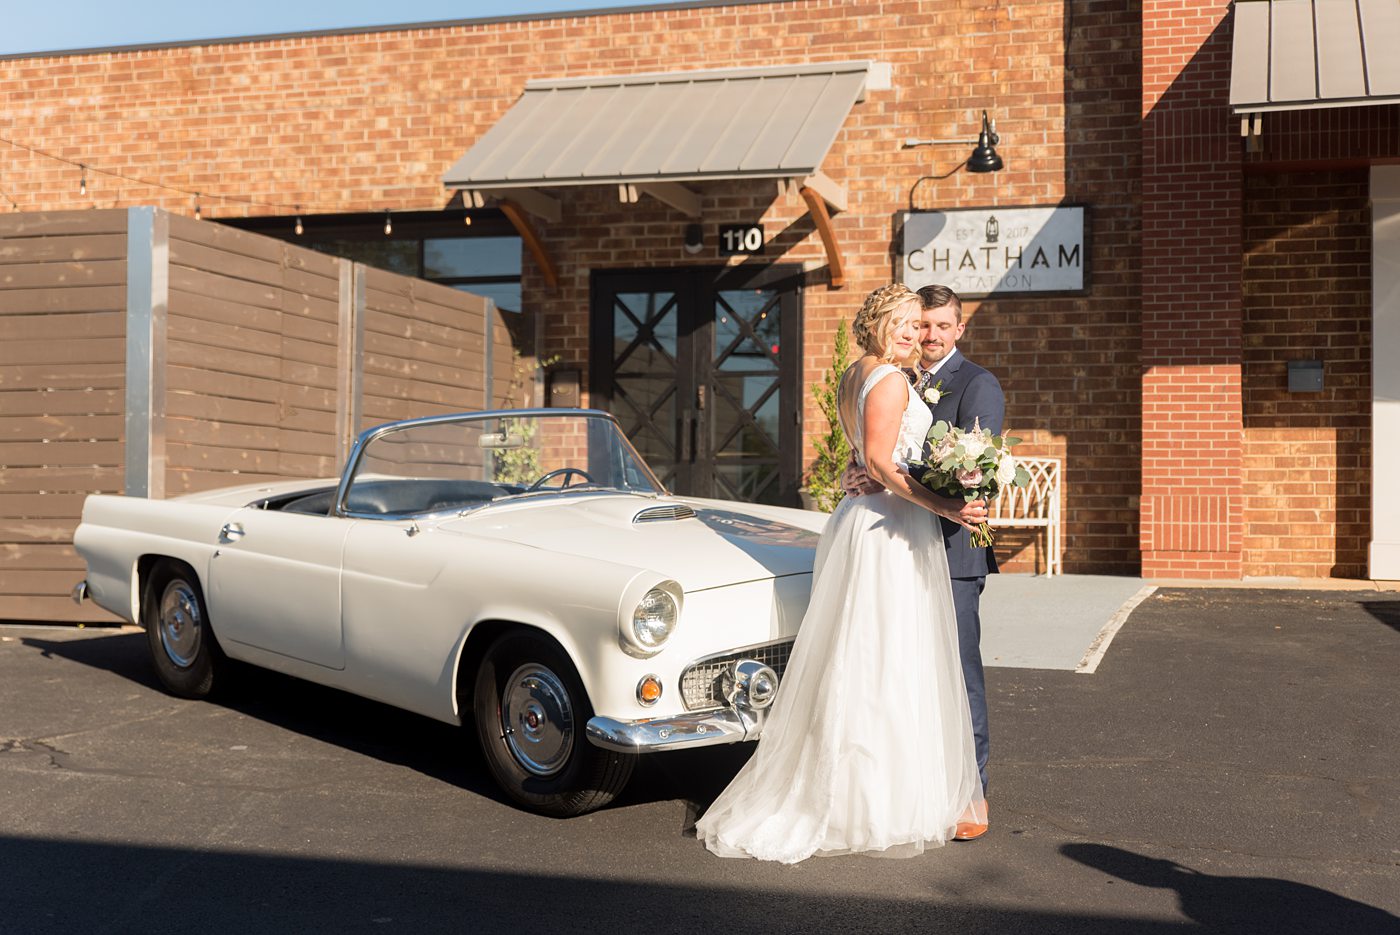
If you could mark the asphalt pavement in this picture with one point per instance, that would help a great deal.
(1231, 765)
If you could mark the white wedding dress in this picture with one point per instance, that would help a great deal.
(869, 745)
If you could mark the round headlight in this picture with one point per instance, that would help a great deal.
(655, 618)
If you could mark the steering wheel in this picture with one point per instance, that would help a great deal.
(563, 472)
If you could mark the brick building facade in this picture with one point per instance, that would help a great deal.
(1163, 386)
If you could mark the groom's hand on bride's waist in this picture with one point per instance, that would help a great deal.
(855, 481)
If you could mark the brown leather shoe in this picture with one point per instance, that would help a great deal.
(971, 830)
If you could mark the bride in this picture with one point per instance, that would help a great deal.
(869, 744)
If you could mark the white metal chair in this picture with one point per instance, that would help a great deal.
(1036, 506)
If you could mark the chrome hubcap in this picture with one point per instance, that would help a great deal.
(537, 717)
(179, 623)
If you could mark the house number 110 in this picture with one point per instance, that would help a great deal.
(737, 239)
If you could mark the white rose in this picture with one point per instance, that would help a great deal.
(1006, 469)
(973, 446)
(932, 395)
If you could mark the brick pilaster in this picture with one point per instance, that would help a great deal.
(1192, 431)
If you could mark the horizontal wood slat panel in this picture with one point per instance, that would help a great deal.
(53, 557)
(68, 299)
(200, 282)
(185, 230)
(54, 609)
(108, 324)
(213, 307)
(37, 530)
(76, 248)
(72, 351)
(62, 377)
(58, 428)
(62, 275)
(41, 506)
(62, 454)
(100, 478)
(60, 223)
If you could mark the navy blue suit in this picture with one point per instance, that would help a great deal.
(970, 394)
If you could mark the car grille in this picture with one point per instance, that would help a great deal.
(700, 683)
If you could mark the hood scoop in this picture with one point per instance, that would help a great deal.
(663, 514)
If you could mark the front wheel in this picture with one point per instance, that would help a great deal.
(186, 657)
(531, 713)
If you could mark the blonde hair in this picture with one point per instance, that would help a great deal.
(874, 325)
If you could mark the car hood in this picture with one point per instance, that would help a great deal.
(720, 544)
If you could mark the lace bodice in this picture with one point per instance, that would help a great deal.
(913, 426)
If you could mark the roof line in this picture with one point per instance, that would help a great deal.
(394, 27)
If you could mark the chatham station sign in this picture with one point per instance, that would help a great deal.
(989, 252)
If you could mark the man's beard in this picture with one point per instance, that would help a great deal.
(926, 354)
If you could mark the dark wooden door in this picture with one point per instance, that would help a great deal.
(702, 367)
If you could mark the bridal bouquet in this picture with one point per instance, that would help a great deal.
(972, 464)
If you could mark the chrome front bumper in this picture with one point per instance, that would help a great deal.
(684, 731)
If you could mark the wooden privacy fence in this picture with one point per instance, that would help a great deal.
(154, 355)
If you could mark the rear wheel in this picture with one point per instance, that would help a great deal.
(531, 713)
(186, 656)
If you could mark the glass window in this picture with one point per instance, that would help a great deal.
(471, 257)
(396, 256)
(506, 295)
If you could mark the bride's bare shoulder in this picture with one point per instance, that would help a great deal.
(858, 372)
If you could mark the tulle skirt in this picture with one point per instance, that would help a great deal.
(869, 744)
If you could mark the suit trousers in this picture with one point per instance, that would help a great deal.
(967, 600)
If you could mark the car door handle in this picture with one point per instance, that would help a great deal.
(231, 532)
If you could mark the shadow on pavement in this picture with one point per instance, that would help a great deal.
(1387, 612)
(1238, 904)
(77, 887)
(388, 734)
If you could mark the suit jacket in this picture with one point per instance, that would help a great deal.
(970, 394)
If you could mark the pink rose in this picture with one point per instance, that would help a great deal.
(972, 478)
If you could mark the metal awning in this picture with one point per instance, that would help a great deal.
(678, 127)
(1306, 54)
(656, 134)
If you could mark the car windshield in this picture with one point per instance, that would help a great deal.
(466, 462)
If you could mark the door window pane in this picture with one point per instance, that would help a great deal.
(652, 317)
(747, 330)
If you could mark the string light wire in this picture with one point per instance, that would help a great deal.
(85, 168)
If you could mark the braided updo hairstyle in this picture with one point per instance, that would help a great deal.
(874, 324)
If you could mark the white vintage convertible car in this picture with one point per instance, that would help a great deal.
(522, 570)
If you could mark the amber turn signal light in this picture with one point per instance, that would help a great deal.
(649, 690)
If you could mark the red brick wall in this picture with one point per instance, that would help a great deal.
(1307, 295)
(1191, 431)
(369, 122)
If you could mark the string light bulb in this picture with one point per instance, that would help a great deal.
(388, 224)
(299, 227)
(196, 206)
(82, 182)
(467, 220)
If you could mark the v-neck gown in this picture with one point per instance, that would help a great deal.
(869, 745)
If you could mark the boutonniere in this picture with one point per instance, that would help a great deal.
(934, 393)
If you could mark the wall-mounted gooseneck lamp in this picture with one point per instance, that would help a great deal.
(984, 156)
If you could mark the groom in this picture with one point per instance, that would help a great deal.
(967, 393)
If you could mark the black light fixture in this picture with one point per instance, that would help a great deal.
(984, 158)
(694, 239)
